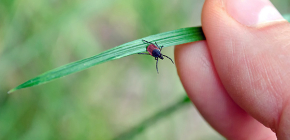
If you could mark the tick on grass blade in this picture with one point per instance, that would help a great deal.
(155, 51)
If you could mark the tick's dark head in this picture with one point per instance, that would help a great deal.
(161, 57)
(157, 53)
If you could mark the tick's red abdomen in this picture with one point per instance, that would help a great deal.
(150, 48)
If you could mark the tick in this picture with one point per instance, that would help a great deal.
(155, 51)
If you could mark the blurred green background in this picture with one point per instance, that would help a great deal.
(106, 101)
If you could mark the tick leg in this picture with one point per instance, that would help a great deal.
(146, 41)
(157, 66)
(157, 45)
(168, 58)
(161, 48)
(150, 43)
(144, 53)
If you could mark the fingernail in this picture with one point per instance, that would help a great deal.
(252, 12)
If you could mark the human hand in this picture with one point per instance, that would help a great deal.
(239, 78)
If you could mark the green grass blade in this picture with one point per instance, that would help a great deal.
(171, 38)
(140, 128)
(287, 17)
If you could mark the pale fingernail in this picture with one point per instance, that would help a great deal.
(252, 12)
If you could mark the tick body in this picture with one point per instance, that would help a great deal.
(155, 51)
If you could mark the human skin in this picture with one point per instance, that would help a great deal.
(239, 78)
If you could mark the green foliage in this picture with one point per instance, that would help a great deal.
(140, 128)
(170, 38)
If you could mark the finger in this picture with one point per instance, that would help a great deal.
(198, 76)
(249, 44)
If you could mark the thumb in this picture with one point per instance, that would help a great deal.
(250, 47)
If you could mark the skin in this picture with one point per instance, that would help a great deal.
(239, 78)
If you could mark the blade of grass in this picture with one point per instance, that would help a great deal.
(171, 38)
(287, 17)
(138, 129)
